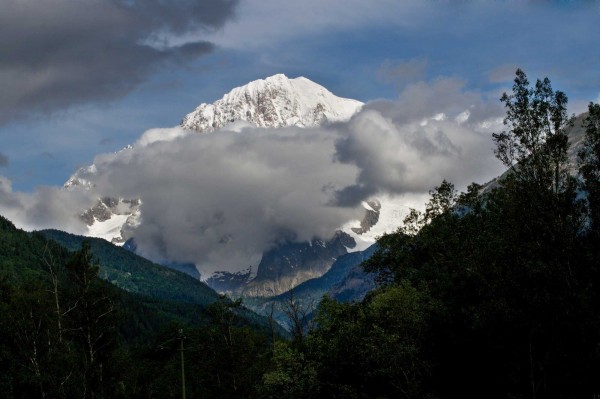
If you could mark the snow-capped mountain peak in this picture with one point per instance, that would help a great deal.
(276, 101)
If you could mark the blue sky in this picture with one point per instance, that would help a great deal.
(73, 90)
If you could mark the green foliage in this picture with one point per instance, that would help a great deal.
(443, 198)
(492, 293)
(23, 254)
(371, 349)
(589, 161)
(292, 375)
(535, 145)
(589, 155)
(166, 294)
(515, 298)
(64, 332)
(221, 361)
(56, 329)
(377, 344)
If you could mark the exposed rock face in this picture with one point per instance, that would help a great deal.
(230, 282)
(345, 281)
(284, 267)
(111, 218)
(288, 265)
(371, 217)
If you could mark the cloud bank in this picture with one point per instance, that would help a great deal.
(220, 199)
(58, 53)
(47, 207)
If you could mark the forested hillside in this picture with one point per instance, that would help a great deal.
(65, 332)
(135, 274)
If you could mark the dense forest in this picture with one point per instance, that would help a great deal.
(491, 293)
(65, 332)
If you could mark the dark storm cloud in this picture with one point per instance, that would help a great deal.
(57, 53)
(3, 160)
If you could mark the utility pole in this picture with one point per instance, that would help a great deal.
(181, 337)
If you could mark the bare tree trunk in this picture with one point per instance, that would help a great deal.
(54, 280)
(297, 314)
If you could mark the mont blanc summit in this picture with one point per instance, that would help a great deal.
(276, 101)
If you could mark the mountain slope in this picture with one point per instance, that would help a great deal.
(25, 259)
(138, 275)
(149, 295)
(59, 326)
